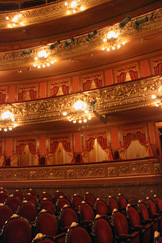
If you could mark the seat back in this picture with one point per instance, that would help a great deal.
(48, 205)
(46, 195)
(112, 204)
(120, 223)
(19, 195)
(152, 206)
(3, 196)
(17, 230)
(76, 201)
(158, 202)
(33, 192)
(68, 216)
(79, 235)
(5, 214)
(103, 231)
(13, 203)
(46, 223)
(57, 195)
(42, 239)
(86, 212)
(133, 216)
(101, 208)
(89, 198)
(28, 211)
(32, 199)
(122, 202)
(144, 211)
(61, 202)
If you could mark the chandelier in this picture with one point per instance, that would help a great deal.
(15, 21)
(43, 59)
(7, 121)
(112, 41)
(79, 114)
(74, 6)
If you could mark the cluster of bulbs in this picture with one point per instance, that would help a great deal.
(111, 42)
(7, 121)
(159, 102)
(15, 21)
(74, 7)
(42, 60)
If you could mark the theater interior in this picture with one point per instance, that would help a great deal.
(80, 97)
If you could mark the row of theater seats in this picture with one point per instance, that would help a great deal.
(46, 218)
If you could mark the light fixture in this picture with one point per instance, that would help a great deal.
(54, 45)
(157, 98)
(26, 52)
(74, 7)
(79, 113)
(16, 21)
(91, 34)
(140, 21)
(124, 22)
(112, 41)
(43, 59)
(68, 42)
(7, 121)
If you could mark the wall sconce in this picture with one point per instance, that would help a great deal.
(90, 35)
(25, 52)
(140, 21)
(124, 22)
(54, 45)
(68, 42)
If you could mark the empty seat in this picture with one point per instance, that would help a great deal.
(33, 192)
(28, 211)
(89, 198)
(13, 203)
(67, 217)
(3, 196)
(77, 234)
(57, 195)
(112, 204)
(48, 205)
(5, 214)
(122, 202)
(100, 208)
(76, 201)
(29, 197)
(86, 214)
(61, 202)
(46, 195)
(42, 239)
(158, 202)
(19, 195)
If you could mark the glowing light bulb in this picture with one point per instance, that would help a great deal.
(103, 48)
(74, 121)
(86, 111)
(73, 4)
(157, 105)
(43, 65)
(7, 18)
(9, 25)
(74, 11)
(85, 120)
(80, 121)
(48, 64)
(82, 8)
(118, 46)
(10, 128)
(68, 12)
(89, 118)
(112, 34)
(34, 65)
(66, 3)
(153, 96)
(104, 39)
(64, 113)
(108, 49)
(39, 66)
(113, 48)
(35, 58)
(5, 129)
(123, 43)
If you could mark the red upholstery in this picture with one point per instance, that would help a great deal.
(113, 204)
(152, 207)
(43, 239)
(68, 216)
(122, 202)
(5, 214)
(60, 203)
(46, 195)
(19, 195)
(78, 235)
(31, 199)
(76, 201)
(101, 208)
(86, 213)
(17, 230)
(48, 205)
(3, 196)
(121, 227)
(46, 223)
(103, 231)
(89, 198)
(33, 192)
(158, 202)
(28, 211)
(3, 190)
(57, 195)
(13, 203)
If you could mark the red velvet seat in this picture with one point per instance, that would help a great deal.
(100, 208)
(134, 219)
(3, 196)
(76, 201)
(5, 214)
(67, 217)
(61, 202)
(122, 202)
(31, 199)
(86, 214)
(46, 195)
(158, 202)
(3, 190)
(122, 229)
(48, 205)
(19, 195)
(57, 195)
(77, 235)
(28, 210)
(13, 202)
(33, 192)
(42, 239)
(112, 204)
(89, 198)
(17, 230)
(102, 231)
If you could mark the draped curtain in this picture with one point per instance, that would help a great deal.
(133, 74)
(32, 94)
(54, 146)
(2, 98)
(65, 89)
(158, 69)
(32, 147)
(142, 139)
(21, 95)
(87, 85)
(54, 90)
(121, 78)
(98, 82)
(20, 148)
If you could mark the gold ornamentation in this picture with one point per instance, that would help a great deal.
(133, 169)
(90, 172)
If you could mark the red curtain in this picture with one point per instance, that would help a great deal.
(21, 95)
(98, 83)
(54, 90)
(32, 148)
(54, 146)
(65, 89)
(89, 144)
(87, 85)
(32, 94)
(127, 140)
(133, 75)
(102, 142)
(121, 78)
(20, 148)
(142, 139)
(2, 98)
(66, 146)
(158, 69)
(0, 151)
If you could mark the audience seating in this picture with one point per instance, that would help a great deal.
(122, 202)
(76, 201)
(3, 190)
(112, 204)
(158, 203)
(28, 211)
(17, 230)
(48, 205)
(100, 208)
(33, 192)
(57, 195)
(61, 202)
(77, 234)
(19, 195)
(3, 196)
(31, 198)
(46, 195)
(67, 217)
(13, 203)
(89, 198)
(42, 239)
(86, 214)
(5, 214)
